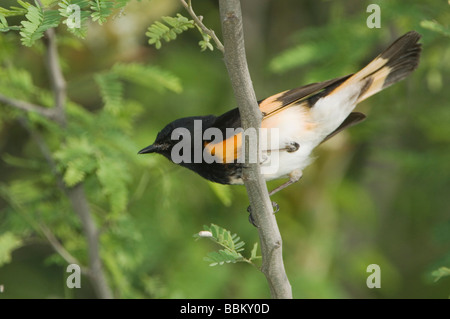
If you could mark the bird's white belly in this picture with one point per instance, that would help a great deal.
(279, 164)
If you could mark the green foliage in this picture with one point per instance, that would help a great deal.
(173, 26)
(14, 11)
(114, 177)
(232, 244)
(79, 159)
(8, 243)
(206, 42)
(66, 10)
(159, 31)
(38, 21)
(111, 83)
(440, 273)
(16, 82)
(101, 10)
(76, 159)
(149, 76)
(95, 149)
(4, 26)
(111, 89)
(436, 27)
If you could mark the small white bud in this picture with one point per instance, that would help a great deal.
(205, 233)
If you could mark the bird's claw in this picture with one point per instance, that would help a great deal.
(275, 206)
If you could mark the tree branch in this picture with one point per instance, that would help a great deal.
(80, 205)
(76, 194)
(57, 113)
(251, 117)
(28, 107)
(56, 76)
(199, 23)
(51, 238)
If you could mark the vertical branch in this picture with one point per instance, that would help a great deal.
(56, 76)
(80, 205)
(76, 194)
(251, 117)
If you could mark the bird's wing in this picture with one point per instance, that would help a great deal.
(304, 94)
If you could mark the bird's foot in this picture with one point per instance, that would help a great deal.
(252, 221)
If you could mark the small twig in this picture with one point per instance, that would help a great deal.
(45, 151)
(54, 242)
(55, 74)
(199, 23)
(28, 107)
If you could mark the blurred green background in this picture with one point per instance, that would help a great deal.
(377, 193)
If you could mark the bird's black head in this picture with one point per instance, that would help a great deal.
(169, 135)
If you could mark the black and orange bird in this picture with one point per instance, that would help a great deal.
(304, 118)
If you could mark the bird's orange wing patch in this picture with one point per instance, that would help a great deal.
(272, 103)
(226, 151)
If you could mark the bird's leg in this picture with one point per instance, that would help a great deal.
(250, 216)
(294, 177)
(292, 147)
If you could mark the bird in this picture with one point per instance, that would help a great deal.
(300, 119)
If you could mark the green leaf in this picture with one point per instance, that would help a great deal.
(17, 82)
(3, 23)
(48, 3)
(295, 57)
(66, 10)
(8, 243)
(175, 25)
(38, 21)
(4, 26)
(77, 158)
(73, 175)
(223, 256)
(231, 243)
(24, 4)
(149, 76)
(102, 9)
(13, 11)
(436, 27)
(254, 252)
(441, 272)
(113, 176)
(206, 43)
(111, 90)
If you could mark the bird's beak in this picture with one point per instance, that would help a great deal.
(149, 149)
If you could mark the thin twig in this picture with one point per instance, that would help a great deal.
(199, 23)
(28, 107)
(251, 117)
(55, 74)
(54, 242)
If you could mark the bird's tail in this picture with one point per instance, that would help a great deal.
(391, 66)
